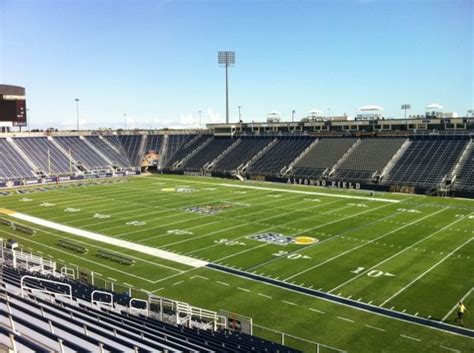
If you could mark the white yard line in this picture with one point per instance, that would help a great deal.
(243, 224)
(362, 245)
(456, 305)
(426, 272)
(411, 338)
(375, 328)
(243, 289)
(363, 273)
(289, 303)
(345, 319)
(306, 248)
(317, 311)
(450, 349)
(294, 191)
(186, 260)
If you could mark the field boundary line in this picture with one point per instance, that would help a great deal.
(302, 192)
(186, 260)
(374, 309)
(82, 258)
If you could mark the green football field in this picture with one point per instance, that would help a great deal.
(408, 253)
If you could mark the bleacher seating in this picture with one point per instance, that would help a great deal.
(465, 176)
(45, 155)
(153, 143)
(426, 162)
(323, 156)
(82, 153)
(279, 155)
(175, 142)
(41, 322)
(112, 149)
(210, 152)
(186, 149)
(12, 164)
(368, 157)
(247, 148)
(131, 145)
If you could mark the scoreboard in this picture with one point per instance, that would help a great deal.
(13, 110)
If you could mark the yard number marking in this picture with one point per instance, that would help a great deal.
(372, 273)
(293, 256)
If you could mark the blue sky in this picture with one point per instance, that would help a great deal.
(156, 61)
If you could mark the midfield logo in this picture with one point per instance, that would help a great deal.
(280, 239)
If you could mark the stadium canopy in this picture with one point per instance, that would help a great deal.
(434, 106)
(370, 108)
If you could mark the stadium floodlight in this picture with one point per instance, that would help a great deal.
(226, 58)
(77, 113)
(405, 107)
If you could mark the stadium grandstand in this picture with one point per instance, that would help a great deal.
(51, 304)
(417, 160)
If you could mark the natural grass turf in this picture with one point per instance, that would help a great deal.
(368, 250)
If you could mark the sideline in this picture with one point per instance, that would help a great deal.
(290, 191)
(166, 255)
(437, 325)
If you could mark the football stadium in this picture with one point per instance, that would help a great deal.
(317, 233)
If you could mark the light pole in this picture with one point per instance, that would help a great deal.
(77, 113)
(405, 107)
(293, 115)
(199, 118)
(125, 120)
(226, 58)
(240, 116)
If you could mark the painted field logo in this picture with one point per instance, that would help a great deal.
(280, 239)
(100, 216)
(168, 189)
(135, 223)
(72, 210)
(25, 199)
(305, 240)
(207, 209)
(179, 232)
(47, 204)
(184, 190)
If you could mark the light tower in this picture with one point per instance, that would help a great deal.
(405, 107)
(226, 58)
(77, 113)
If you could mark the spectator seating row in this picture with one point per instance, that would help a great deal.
(45, 155)
(207, 154)
(465, 176)
(112, 149)
(12, 164)
(131, 145)
(175, 142)
(83, 327)
(371, 155)
(280, 155)
(426, 162)
(82, 152)
(242, 153)
(323, 156)
(154, 143)
(187, 148)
